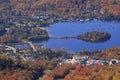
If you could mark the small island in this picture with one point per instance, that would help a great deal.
(95, 36)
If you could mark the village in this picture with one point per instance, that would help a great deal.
(88, 61)
(29, 52)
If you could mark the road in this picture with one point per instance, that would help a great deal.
(31, 44)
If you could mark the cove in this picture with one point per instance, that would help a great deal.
(62, 29)
(2, 32)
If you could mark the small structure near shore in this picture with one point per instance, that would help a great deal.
(95, 36)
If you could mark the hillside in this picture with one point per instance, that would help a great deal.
(24, 22)
(64, 8)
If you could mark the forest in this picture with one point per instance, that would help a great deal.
(16, 14)
(27, 19)
(14, 69)
(64, 8)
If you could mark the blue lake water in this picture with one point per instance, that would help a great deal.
(62, 29)
(2, 32)
(22, 46)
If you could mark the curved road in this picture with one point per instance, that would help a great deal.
(31, 44)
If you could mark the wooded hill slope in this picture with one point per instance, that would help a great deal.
(65, 8)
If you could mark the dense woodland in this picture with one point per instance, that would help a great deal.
(16, 14)
(16, 22)
(47, 69)
(68, 8)
(64, 8)
(95, 36)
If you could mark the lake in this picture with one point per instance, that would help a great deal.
(22, 46)
(62, 29)
(2, 32)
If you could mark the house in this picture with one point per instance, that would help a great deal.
(90, 62)
(86, 60)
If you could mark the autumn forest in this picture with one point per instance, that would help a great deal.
(24, 22)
